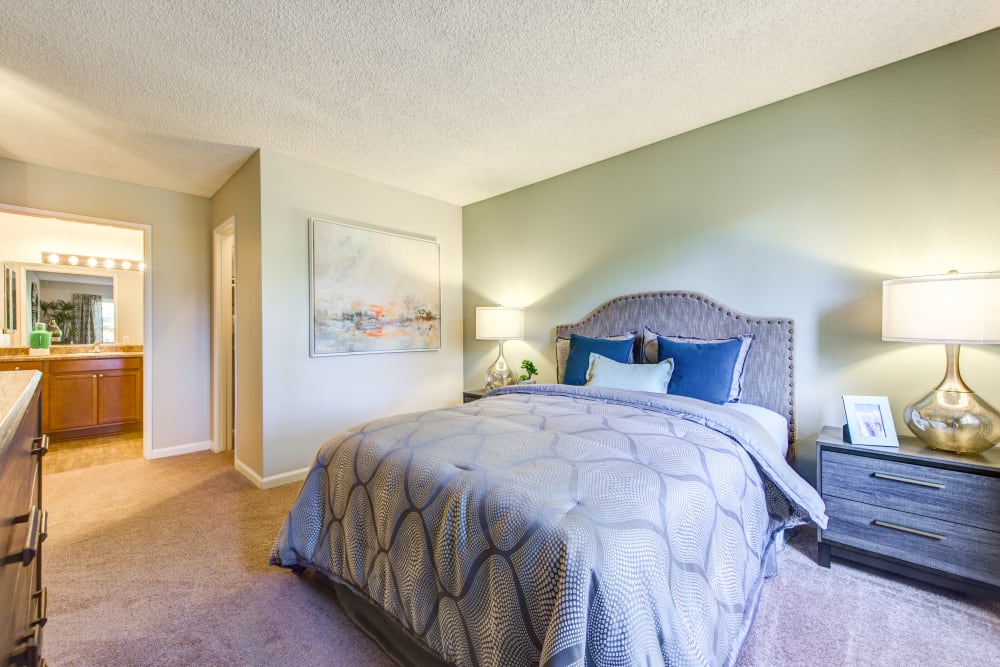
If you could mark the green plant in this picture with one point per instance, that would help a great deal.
(61, 311)
(529, 368)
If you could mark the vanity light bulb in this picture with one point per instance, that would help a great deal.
(142, 266)
(74, 260)
(92, 261)
(54, 258)
(109, 263)
(126, 264)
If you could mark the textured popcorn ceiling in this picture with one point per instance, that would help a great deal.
(457, 100)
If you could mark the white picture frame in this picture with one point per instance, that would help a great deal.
(869, 421)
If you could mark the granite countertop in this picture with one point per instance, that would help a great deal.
(71, 352)
(71, 355)
(16, 389)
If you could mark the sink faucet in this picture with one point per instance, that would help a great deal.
(97, 346)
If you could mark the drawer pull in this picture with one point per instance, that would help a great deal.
(37, 528)
(907, 480)
(912, 531)
(42, 607)
(33, 649)
(40, 446)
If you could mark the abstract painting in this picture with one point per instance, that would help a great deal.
(372, 290)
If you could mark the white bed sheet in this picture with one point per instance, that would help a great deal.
(773, 423)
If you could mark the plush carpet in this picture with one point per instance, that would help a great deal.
(165, 563)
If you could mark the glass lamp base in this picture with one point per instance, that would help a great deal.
(955, 421)
(500, 374)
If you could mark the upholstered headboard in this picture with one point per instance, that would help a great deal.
(769, 375)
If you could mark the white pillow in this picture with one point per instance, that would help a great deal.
(604, 372)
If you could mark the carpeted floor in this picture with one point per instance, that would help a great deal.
(165, 563)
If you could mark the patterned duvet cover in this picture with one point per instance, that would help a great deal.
(554, 525)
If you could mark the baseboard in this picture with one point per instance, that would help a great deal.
(179, 449)
(249, 473)
(271, 481)
(285, 478)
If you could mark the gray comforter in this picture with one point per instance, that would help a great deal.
(554, 525)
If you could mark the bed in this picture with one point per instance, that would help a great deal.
(566, 524)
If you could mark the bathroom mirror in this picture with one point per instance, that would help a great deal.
(81, 303)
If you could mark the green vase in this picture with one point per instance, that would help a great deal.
(40, 338)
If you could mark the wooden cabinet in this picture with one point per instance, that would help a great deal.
(927, 514)
(87, 397)
(23, 523)
(21, 366)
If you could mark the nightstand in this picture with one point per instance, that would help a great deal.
(915, 511)
(470, 395)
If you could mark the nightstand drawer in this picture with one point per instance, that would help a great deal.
(933, 492)
(949, 547)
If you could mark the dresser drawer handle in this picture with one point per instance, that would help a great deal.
(40, 446)
(918, 482)
(37, 528)
(33, 648)
(42, 607)
(912, 531)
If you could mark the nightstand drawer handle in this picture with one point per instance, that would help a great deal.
(918, 482)
(914, 531)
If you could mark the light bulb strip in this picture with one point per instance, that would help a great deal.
(92, 261)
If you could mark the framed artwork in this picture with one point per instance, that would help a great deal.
(869, 421)
(371, 290)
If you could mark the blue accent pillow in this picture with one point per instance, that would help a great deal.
(580, 347)
(701, 370)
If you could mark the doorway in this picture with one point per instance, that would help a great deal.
(61, 250)
(224, 337)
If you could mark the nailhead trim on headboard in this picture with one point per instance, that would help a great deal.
(769, 377)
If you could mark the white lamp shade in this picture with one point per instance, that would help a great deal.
(960, 308)
(499, 323)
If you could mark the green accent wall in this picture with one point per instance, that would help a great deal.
(797, 209)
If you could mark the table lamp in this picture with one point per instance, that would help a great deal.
(955, 309)
(500, 324)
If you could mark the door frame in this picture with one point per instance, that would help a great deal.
(147, 302)
(223, 337)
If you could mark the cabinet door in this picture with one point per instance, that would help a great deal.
(120, 397)
(72, 401)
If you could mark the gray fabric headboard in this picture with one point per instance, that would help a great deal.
(769, 376)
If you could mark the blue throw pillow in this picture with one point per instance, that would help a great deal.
(580, 348)
(701, 370)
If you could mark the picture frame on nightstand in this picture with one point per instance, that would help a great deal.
(869, 422)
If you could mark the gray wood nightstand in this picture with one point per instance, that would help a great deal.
(915, 511)
(470, 395)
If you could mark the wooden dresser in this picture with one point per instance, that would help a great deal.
(23, 522)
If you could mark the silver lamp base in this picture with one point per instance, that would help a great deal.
(500, 374)
(952, 417)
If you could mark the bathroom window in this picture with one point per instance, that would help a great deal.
(108, 316)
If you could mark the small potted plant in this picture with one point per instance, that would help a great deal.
(61, 312)
(529, 370)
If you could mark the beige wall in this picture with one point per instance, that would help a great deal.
(307, 400)
(178, 368)
(797, 209)
(240, 197)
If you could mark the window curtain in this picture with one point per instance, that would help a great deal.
(88, 321)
